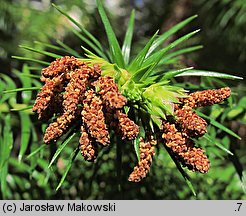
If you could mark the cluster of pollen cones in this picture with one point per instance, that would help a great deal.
(74, 92)
(178, 132)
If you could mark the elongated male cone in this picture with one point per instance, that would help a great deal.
(184, 149)
(146, 154)
(71, 97)
(195, 159)
(173, 138)
(60, 66)
(94, 119)
(189, 122)
(47, 94)
(127, 127)
(109, 92)
(88, 149)
(207, 97)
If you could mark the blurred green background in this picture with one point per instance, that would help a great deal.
(29, 22)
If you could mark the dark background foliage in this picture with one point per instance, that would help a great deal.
(223, 25)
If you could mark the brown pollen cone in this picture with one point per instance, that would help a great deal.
(55, 107)
(94, 119)
(126, 126)
(195, 159)
(109, 92)
(47, 94)
(71, 97)
(207, 97)
(76, 87)
(88, 150)
(184, 149)
(57, 128)
(61, 65)
(189, 122)
(146, 154)
(173, 138)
